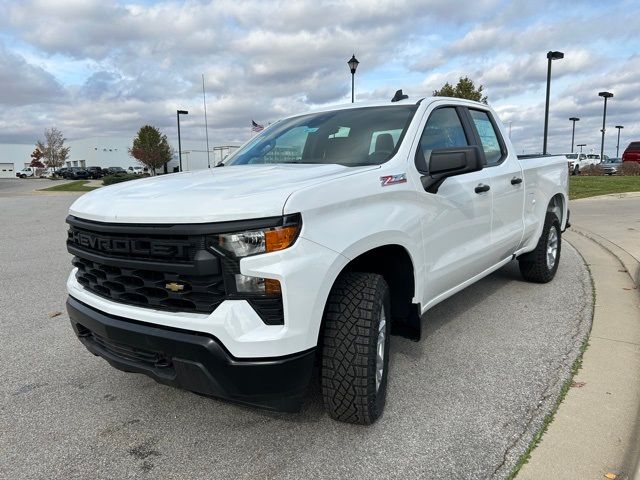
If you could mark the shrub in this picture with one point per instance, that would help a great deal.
(592, 171)
(629, 168)
(111, 179)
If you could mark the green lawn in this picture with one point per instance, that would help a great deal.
(583, 187)
(77, 186)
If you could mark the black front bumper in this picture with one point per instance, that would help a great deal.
(193, 361)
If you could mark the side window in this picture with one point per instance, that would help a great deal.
(443, 130)
(488, 136)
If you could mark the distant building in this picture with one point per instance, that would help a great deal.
(110, 152)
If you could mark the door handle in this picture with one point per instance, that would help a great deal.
(516, 181)
(482, 188)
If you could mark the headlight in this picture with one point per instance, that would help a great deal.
(264, 240)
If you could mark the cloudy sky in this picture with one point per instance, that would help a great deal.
(105, 68)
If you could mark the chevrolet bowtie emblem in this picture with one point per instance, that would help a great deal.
(174, 287)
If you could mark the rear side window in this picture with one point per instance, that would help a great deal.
(443, 130)
(634, 146)
(488, 136)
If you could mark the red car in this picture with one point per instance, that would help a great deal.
(632, 153)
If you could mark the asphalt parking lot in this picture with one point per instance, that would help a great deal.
(463, 403)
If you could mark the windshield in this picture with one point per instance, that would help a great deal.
(353, 137)
(571, 156)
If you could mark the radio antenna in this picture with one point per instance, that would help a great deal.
(206, 127)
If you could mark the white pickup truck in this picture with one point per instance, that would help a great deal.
(578, 161)
(312, 244)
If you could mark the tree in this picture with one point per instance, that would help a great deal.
(464, 89)
(151, 148)
(36, 155)
(52, 149)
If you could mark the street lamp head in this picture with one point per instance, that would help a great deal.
(574, 119)
(183, 112)
(605, 94)
(555, 55)
(353, 63)
(619, 127)
(582, 144)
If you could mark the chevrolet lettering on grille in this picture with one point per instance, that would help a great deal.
(127, 245)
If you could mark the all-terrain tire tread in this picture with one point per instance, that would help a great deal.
(349, 341)
(533, 265)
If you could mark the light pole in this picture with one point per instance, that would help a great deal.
(573, 132)
(550, 57)
(581, 145)
(606, 96)
(619, 127)
(178, 113)
(353, 64)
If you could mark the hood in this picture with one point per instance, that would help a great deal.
(216, 195)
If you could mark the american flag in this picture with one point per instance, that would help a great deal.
(256, 127)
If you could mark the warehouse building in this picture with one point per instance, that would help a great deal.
(110, 152)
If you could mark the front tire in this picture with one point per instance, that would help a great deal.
(355, 349)
(541, 265)
(576, 170)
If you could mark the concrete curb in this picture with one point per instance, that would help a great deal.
(609, 195)
(631, 263)
(595, 430)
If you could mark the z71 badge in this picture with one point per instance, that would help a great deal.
(393, 179)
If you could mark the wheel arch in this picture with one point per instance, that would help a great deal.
(558, 205)
(394, 262)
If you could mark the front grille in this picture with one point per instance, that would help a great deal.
(160, 267)
(148, 288)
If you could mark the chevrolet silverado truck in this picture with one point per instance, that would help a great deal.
(307, 249)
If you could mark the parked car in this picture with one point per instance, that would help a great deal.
(26, 172)
(61, 171)
(116, 171)
(632, 153)
(76, 173)
(95, 172)
(611, 166)
(233, 284)
(137, 170)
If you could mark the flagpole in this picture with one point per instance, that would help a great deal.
(206, 126)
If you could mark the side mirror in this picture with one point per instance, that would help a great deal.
(448, 162)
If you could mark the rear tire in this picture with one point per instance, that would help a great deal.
(355, 349)
(541, 265)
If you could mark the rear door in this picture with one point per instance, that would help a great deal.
(507, 185)
(456, 220)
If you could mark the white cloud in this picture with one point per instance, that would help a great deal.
(24, 84)
(136, 63)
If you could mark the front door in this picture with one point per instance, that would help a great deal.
(456, 221)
